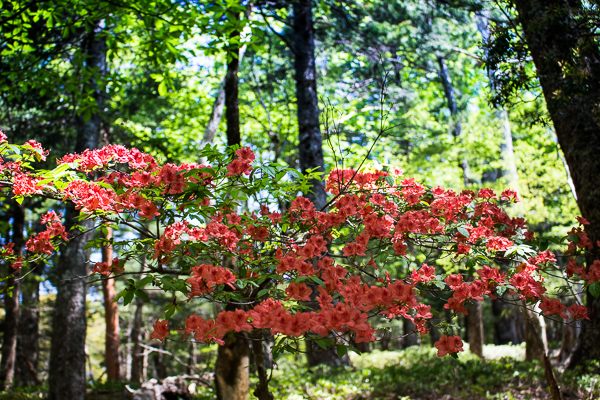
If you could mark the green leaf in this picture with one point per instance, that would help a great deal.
(148, 279)
(544, 245)
(341, 351)
(594, 289)
(262, 292)
(162, 88)
(317, 280)
(142, 295)
(323, 343)
(170, 312)
(501, 290)
(463, 231)
(390, 181)
(128, 297)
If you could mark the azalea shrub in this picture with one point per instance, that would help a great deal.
(293, 272)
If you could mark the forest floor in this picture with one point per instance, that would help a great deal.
(418, 374)
(412, 374)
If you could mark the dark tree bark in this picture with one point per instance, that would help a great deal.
(11, 303)
(29, 321)
(309, 131)
(567, 60)
(232, 109)
(453, 107)
(232, 378)
(232, 369)
(508, 323)
(111, 319)
(137, 359)
(475, 327)
(66, 375)
(160, 368)
(408, 328)
(262, 389)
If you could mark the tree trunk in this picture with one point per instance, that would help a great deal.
(111, 319)
(536, 343)
(566, 58)
(159, 362)
(66, 375)
(192, 356)
(262, 388)
(232, 369)
(219, 104)
(11, 302)
(475, 327)
(215, 115)
(29, 321)
(408, 328)
(309, 131)
(509, 170)
(232, 377)
(453, 107)
(232, 108)
(506, 320)
(567, 342)
(137, 358)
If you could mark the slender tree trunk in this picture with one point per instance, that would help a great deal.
(219, 104)
(11, 302)
(262, 389)
(408, 328)
(29, 320)
(66, 375)
(453, 107)
(311, 142)
(111, 319)
(309, 132)
(536, 343)
(159, 362)
(215, 115)
(232, 378)
(137, 359)
(232, 107)
(567, 342)
(567, 61)
(192, 356)
(507, 152)
(137, 356)
(509, 170)
(475, 327)
(506, 321)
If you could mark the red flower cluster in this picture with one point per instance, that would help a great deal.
(205, 277)
(448, 345)
(242, 164)
(371, 213)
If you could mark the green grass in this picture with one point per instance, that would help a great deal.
(417, 373)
